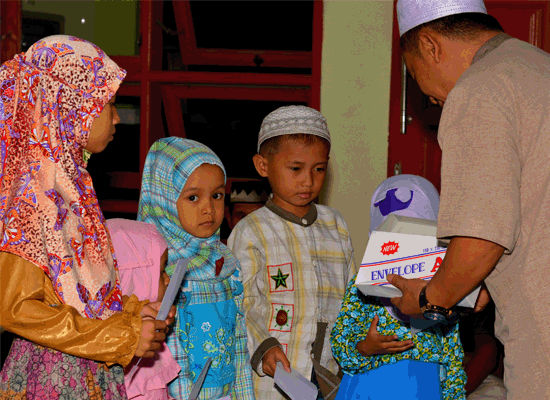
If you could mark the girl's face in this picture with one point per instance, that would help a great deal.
(103, 128)
(164, 280)
(201, 202)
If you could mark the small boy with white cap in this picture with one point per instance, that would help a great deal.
(296, 256)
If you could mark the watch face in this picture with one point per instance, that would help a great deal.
(434, 316)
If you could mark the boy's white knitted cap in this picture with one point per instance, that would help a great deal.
(293, 119)
(411, 13)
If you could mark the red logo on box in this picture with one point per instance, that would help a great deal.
(437, 264)
(390, 248)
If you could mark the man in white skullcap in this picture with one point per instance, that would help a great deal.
(495, 190)
(296, 256)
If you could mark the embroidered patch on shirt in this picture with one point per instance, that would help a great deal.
(281, 278)
(281, 317)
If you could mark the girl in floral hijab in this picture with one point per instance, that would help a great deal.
(59, 289)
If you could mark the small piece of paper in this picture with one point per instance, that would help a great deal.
(294, 384)
(418, 325)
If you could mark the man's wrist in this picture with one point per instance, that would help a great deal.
(434, 294)
(434, 312)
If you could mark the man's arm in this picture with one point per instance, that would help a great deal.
(467, 263)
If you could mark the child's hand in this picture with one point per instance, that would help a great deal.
(270, 358)
(152, 335)
(376, 343)
(151, 310)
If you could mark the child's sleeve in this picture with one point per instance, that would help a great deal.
(243, 387)
(351, 327)
(30, 308)
(453, 355)
(255, 305)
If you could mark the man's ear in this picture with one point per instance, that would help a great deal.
(429, 45)
(261, 164)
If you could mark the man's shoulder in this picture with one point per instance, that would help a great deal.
(512, 60)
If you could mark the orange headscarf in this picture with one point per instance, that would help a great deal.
(49, 213)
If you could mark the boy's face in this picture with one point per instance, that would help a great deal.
(164, 280)
(200, 204)
(296, 174)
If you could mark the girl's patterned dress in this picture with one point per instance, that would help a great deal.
(35, 372)
(440, 344)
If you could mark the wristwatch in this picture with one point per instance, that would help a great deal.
(432, 312)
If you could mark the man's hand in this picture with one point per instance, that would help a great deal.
(411, 288)
(483, 299)
(375, 343)
(270, 358)
(468, 261)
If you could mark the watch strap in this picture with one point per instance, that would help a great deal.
(431, 311)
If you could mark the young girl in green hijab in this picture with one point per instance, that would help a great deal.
(182, 193)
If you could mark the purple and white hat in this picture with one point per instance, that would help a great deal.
(411, 13)
(407, 195)
(289, 120)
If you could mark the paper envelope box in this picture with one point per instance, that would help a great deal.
(403, 246)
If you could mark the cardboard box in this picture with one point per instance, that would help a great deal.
(403, 246)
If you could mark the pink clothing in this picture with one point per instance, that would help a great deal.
(138, 248)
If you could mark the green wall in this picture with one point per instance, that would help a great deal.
(120, 16)
(110, 24)
(355, 92)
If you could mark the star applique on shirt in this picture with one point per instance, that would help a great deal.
(280, 279)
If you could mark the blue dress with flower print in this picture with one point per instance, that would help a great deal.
(208, 330)
(438, 345)
(210, 323)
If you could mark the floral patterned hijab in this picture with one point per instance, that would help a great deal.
(49, 213)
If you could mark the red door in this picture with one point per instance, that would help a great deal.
(413, 147)
(10, 29)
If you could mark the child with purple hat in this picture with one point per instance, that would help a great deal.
(372, 340)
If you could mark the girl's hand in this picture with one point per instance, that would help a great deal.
(270, 358)
(150, 311)
(152, 335)
(375, 343)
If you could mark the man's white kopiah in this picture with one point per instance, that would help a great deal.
(411, 13)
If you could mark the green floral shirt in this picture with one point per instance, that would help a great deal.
(440, 344)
